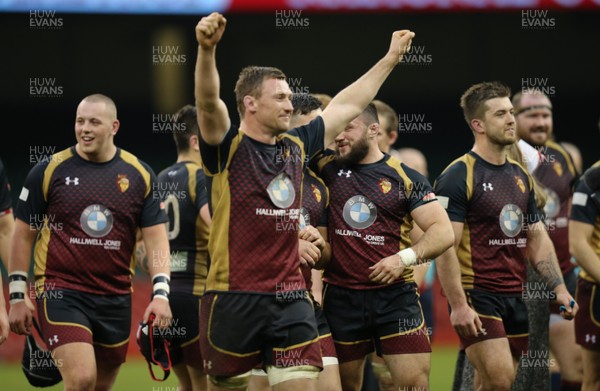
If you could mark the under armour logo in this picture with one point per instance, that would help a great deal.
(483, 331)
(487, 186)
(590, 338)
(74, 181)
(347, 173)
(207, 364)
(172, 173)
(53, 340)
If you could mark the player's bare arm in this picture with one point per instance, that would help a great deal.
(157, 248)
(580, 237)
(213, 116)
(20, 315)
(437, 237)
(463, 318)
(542, 255)
(352, 100)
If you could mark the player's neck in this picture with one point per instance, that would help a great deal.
(103, 156)
(491, 153)
(257, 131)
(189, 156)
(374, 155)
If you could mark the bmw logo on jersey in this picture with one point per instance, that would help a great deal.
(359, 212)
(96, 220)
(281, 191)
(511, 220)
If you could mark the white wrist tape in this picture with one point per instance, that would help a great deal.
(17, 287)
(408, 257)
(161, 285)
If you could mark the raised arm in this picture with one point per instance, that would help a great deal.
(352, 100)
(542, 256)
(213, 116)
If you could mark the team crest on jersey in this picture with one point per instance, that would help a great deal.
(511, 220)
(316, 192)
(281, 191)
(359, 212)
(552, 206)
(123, 182)
(520, 183)
(557, 168)
(96, 220)
(304, 219)
(385, 185)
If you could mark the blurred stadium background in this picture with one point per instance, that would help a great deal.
(142, 54)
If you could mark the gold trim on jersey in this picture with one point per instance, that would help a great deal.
(463, 253)
(191, 341)
(41, 256)
(132, 160)
(212, 308)
(192, 168)
(566, 156)
(63, 323)
(218, 240)
(55, 161)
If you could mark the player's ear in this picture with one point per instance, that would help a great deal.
(115, 126)
(374, 129)
(250, 103)
(195, 142)
(478, 126)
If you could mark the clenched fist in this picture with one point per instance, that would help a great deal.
(210, 30)
(400, 44)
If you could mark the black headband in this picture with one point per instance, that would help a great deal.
(535, 107)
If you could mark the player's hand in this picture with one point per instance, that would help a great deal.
(20, 318)
(466, 322)
(401, 42)
(309, 253)
(568, 305)
(4, 325)
(210, 30)
(387, 270)
(311, 234)
(162, 312)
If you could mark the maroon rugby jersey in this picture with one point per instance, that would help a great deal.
(87, 214)
(369, 216)
(496, 204)
(254, 192)
(556, 175)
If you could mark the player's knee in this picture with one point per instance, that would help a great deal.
(278, 375)
(81, 381)
(238, 381)
(381, 371)
(499, 383)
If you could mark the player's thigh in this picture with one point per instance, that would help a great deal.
(492, 359)
(76, 363)
(565, 351)
(351, 374)
(259, 381)
(409, 369)
(329, 379)
(591, 366)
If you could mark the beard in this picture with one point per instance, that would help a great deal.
(502, 139)
(358, 151)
